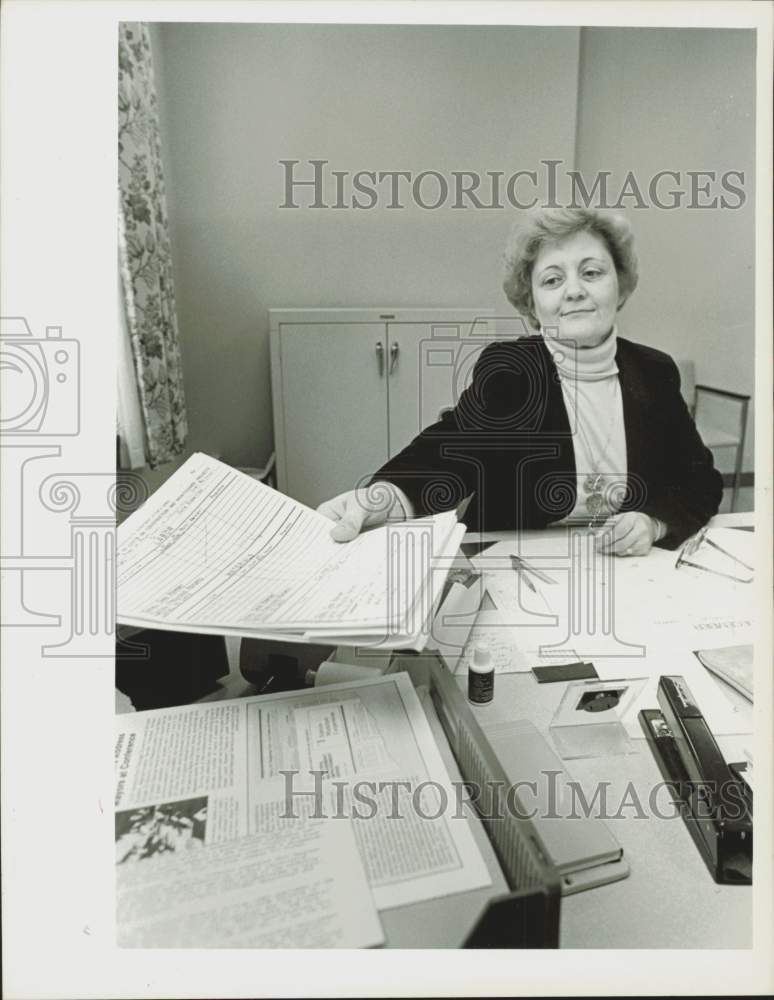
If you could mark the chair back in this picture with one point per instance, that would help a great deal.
(687, 371)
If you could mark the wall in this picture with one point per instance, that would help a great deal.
(236, 99)
(683, 100)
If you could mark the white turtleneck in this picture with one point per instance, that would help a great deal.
(592, 396)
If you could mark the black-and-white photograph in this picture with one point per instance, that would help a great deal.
(502, 268)
(428, 569)
(152, 830)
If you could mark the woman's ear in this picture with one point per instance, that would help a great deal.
(533, 320)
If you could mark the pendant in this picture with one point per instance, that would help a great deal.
(594, 504)
(592, 483)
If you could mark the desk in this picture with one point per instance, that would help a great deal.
(669, 899)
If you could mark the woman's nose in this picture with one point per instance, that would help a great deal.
(573, 288)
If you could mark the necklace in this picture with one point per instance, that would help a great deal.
(594, 482)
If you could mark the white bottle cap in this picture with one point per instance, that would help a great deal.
(481, 661)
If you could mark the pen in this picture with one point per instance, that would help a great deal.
(521, 569)
(519, 564)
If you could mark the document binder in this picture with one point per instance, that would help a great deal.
(715, 805)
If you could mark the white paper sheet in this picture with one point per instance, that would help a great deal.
(657, 616)
(652, 605)
(214, 550)
(370, 738)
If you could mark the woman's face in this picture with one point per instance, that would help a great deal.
(575, 289)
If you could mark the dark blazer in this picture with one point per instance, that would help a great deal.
(508, 441)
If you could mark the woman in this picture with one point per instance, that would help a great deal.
(572, 425)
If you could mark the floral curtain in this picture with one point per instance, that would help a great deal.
(144, 250)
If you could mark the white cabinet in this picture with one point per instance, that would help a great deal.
(352, 387)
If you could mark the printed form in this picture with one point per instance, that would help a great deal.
(215, 551)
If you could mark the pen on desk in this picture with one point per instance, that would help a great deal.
(521, 569)
(519, 564)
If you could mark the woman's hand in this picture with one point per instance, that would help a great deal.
(365, 508)
(629, 534)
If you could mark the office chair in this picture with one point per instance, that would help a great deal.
(723, 425)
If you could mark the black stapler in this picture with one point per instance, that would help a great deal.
(714, 802)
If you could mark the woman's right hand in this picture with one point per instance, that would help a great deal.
(365, 508)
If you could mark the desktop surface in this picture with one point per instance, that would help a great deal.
(669, 899)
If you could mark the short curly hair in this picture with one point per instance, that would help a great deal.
(549, 225)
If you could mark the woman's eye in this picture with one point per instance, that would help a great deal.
(592, 272)
(551, 281)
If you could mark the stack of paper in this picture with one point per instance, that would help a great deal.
(216, 551)
(285, 820)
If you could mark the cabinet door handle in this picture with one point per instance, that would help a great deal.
(380, 357)
(394, 352)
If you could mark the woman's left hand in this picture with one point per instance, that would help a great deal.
(629, 534)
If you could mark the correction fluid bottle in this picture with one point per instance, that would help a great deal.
(480, 675)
